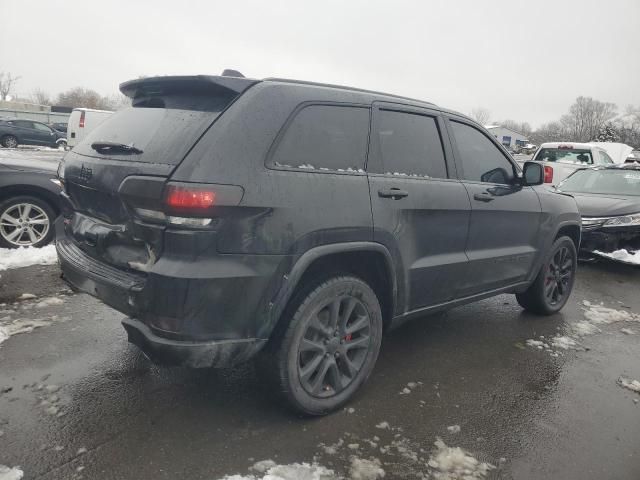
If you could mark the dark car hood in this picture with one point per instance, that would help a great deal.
(598, 205)
(32, 165)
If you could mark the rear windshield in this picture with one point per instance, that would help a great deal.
(610, 181)
(562, 155)
(164, 128)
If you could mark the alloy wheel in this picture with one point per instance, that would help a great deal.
(334, 347)
(24, 224)
(558, 277)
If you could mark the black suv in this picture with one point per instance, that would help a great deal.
(227, 216)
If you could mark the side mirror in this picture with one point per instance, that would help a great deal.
(532, 174)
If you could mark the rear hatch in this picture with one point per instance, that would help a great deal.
(119, 170)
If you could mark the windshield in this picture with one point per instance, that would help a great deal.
(610, 181)
(562, 155)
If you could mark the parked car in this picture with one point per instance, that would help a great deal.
(228, 216)
(29, 202)
(609, 200)
(59, 126)
(82, 121)
(633, 157)
(18, 131)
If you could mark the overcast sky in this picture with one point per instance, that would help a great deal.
(523, 60)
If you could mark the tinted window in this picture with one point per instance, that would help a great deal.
(325, 137)
(23, 124)
(482, 161)
(410, 144)
(39, 126)
(164, 127)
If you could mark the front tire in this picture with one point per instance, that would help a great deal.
(554, 283)
(25, 221)
(330, 344)
(9, 141)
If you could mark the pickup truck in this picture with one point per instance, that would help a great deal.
(561, 159)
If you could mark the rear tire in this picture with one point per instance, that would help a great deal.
(554, 283)
(328, 346)
(9, 141)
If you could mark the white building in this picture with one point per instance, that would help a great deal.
(507, 137)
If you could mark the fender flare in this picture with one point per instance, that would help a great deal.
(302, 263)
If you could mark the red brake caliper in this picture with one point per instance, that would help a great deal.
(347, 338)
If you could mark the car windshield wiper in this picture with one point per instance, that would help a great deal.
(107, 147)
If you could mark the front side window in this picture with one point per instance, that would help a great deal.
(409, 144)
(39, 126)
(482, 161)
(325, 137)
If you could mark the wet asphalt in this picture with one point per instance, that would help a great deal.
(78, 401)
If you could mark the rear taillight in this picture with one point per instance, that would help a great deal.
(548, 174)
(82, 119)
(186, 198)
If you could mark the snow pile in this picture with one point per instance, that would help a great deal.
(601, 315)
(633, 385)
(622, 256)
(21, 325)
(47, 302)
(453, 429)
(454, 463)
(564, 343)
(583, 328)
(362, 469)
(7, 473)
(26, 256)
(269, 470)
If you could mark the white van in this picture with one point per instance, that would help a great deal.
(82, 121)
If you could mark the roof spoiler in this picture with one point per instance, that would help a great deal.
(156, 86)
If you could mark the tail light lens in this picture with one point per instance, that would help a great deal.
(82, 114)
(186, 198)
(548, 174)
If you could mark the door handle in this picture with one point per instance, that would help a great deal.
(393, 192)
(483, 197)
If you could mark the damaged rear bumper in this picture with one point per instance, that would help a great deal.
(196, 354)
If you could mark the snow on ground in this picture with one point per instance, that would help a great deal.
(453, 429)
(454, 463)
(363, 469)
(633, 385)
(14, 319)
(7, 473)
(26, 256)
(269, 470)
(595, 316)
(622, 256)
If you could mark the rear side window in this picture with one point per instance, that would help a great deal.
(482, 160)
(605, 158)
(325, 137)
(409, 144)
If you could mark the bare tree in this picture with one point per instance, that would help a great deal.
(7, 84)
(521, 127)
(585, 118)
(117, 101)
(83, 97)
(40, 97)
(550, 132)
(481, 115)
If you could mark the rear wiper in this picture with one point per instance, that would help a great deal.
(107, 147)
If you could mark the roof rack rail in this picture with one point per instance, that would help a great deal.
(342, 87)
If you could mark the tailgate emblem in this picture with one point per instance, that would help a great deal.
(85, 173)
